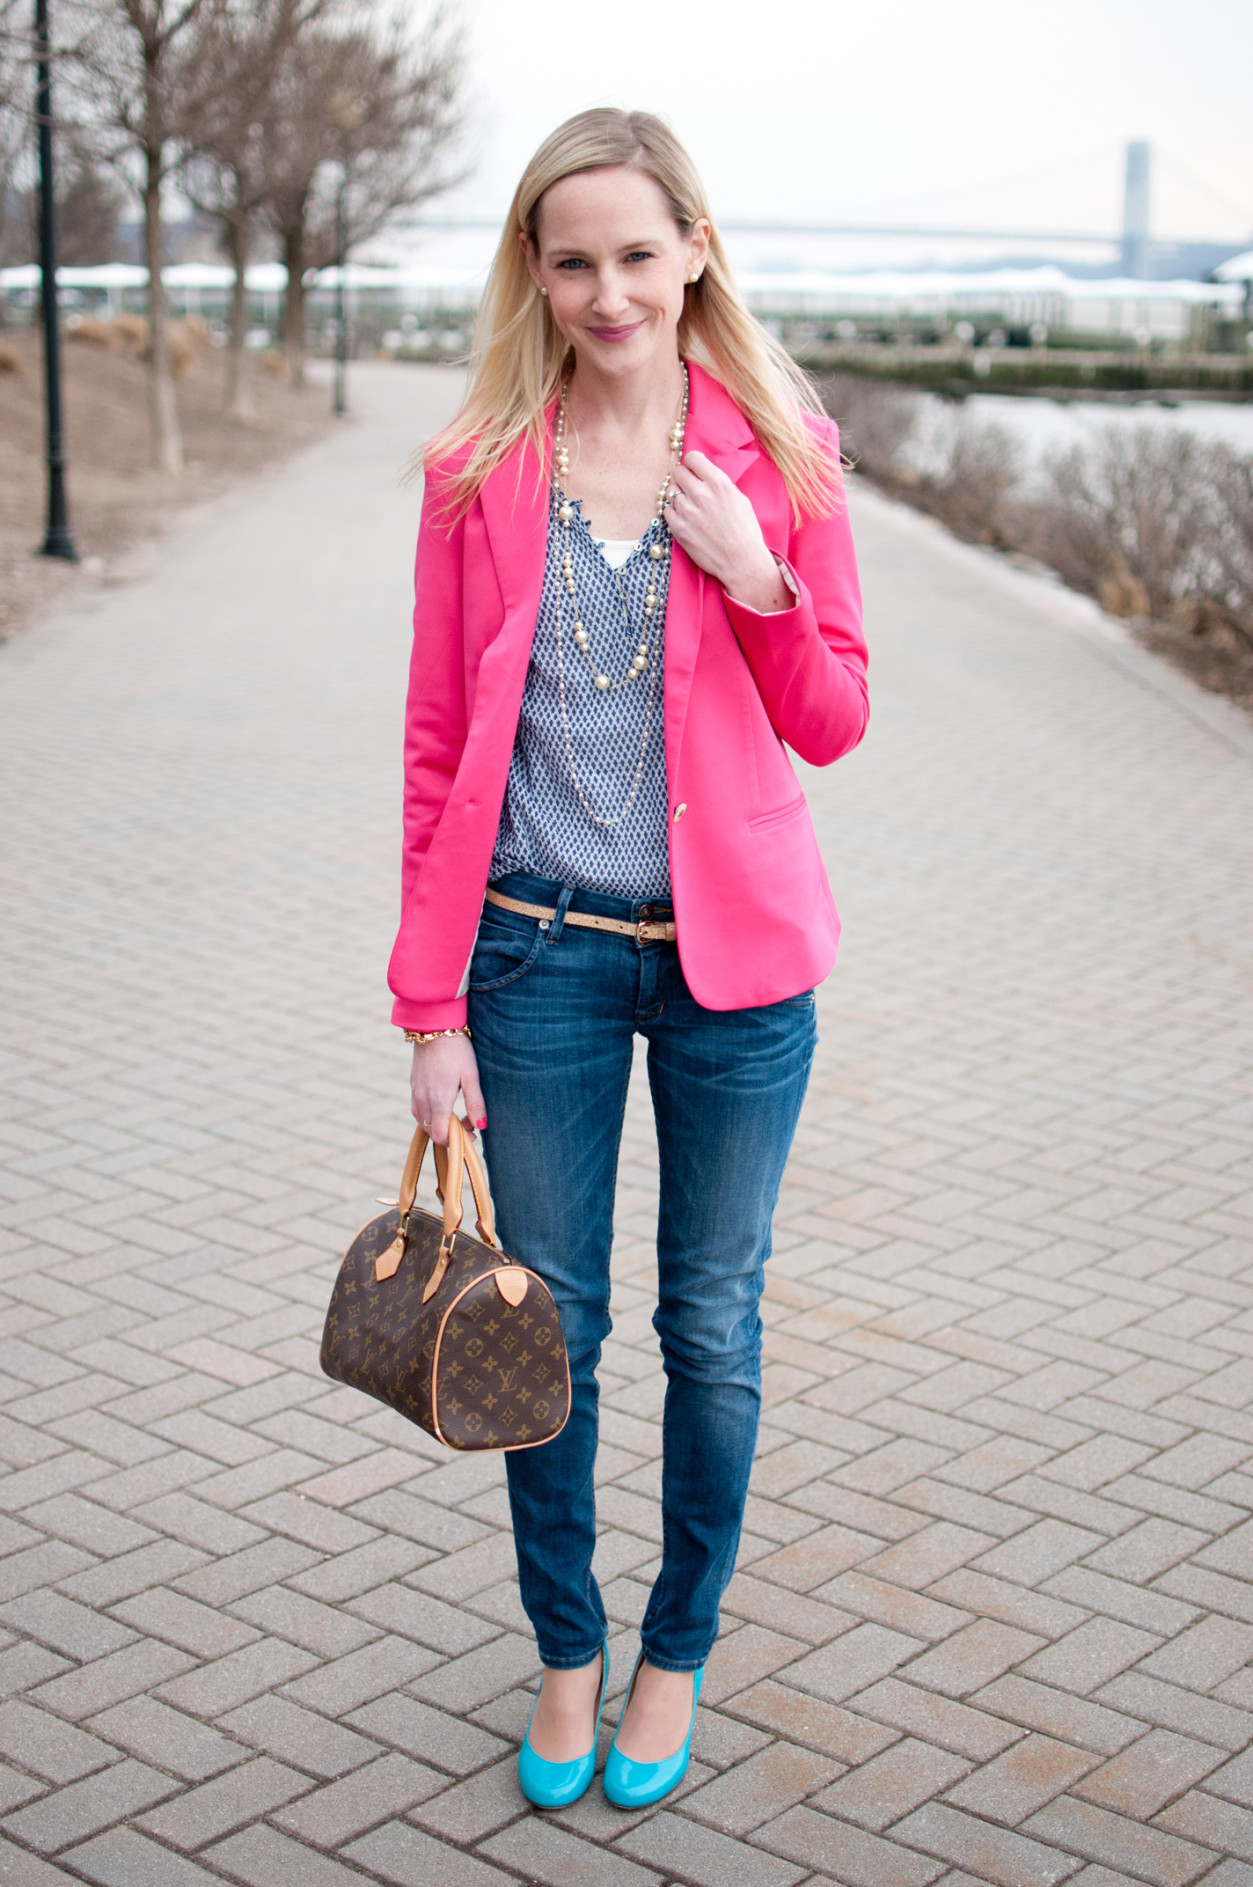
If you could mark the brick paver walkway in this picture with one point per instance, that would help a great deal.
(993, 1617)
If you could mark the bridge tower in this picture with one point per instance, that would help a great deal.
(1135, 211)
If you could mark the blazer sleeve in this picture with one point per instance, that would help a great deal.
(436, 710)
(809, 662)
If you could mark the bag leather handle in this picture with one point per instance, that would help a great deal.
(485, 1217)
(452, 1162)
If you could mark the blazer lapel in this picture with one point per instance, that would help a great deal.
(716, 427)
(515, 515)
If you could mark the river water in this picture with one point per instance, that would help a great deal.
(1043, 426)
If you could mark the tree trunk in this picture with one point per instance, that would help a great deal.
(5, 212)
(167, 438)
(294, 312)
(240, 403)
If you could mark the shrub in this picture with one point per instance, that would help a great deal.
(963, 470)
(187, 337)
(1231, 546)
(131, 330)
(876, 423)
(971, 480)
(1154, 523)
(97, 333)
(1128, 517)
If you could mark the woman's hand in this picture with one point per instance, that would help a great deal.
(718, 528)
(440, 1070)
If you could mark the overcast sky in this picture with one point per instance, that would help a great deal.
(957, 112)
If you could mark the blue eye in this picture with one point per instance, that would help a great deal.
(640, 255)
(572, 262)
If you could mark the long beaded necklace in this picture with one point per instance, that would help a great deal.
(659, 553)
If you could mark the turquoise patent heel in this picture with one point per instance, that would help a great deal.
(631, 1784)
(557, 1785)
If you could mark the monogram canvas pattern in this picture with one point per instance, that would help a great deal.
(543, 828)
(467, 1366)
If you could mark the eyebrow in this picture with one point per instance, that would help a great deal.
(572, 249)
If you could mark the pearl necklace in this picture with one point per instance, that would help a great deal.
(659, 552)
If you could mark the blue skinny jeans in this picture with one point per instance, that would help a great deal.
(554, 1010)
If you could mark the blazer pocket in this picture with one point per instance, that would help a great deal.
(765, 820)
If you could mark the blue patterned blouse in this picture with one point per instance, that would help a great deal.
(544, 828)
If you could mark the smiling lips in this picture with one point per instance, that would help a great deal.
(617, 334)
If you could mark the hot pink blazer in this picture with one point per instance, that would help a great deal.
(755, 916)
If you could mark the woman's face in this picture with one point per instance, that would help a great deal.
(614, 263)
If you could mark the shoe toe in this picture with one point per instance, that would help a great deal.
(553, 1785)
(637, 1784)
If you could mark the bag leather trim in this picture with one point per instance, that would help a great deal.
(439, 1338)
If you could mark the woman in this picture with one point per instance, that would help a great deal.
(635, 581)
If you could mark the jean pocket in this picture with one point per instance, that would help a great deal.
(502, 954)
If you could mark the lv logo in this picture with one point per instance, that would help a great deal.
(507, 1379)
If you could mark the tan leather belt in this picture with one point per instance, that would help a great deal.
(648, 930)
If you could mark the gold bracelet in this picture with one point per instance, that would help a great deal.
(420, 1039)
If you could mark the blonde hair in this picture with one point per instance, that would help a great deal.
(518, 354)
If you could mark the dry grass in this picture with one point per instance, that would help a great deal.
(128, 333)
(1209, 650)
(116, 499)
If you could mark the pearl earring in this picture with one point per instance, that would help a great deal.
(543, 291)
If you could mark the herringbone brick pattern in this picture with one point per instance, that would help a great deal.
(993, 1619)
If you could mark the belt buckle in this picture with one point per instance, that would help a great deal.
(649, 927)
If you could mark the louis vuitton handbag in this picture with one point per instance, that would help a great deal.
(445, 1328)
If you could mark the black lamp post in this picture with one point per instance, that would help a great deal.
(59, 541)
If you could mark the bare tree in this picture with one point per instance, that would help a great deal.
(89, 202)
(376, 114)
(136, 70)
(240, 58)
(17, 83)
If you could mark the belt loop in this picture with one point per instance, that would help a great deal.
(559, 916)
